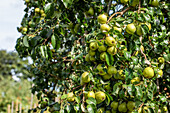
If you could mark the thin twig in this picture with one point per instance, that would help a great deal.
(141, 105)
(139, 6)
(121, 13)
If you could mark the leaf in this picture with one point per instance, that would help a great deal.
(53, 41)
(119, 19)
(150, 94)
(67, 3)
(64, 96)
(135, 60)
(116, 88)
(127, 55)
(138, 92)
(107, 59)
(25, 41)
(91, 109)
(77, 99)
(91, 101)
(121, 94)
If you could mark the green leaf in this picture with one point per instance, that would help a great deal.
(150, 94)
(91, 109)
(138, 92)
(121, 94)
(91, 101)
(67, 3)
(135, 60)
(53, 41)
(127, 54)
(77, 99)
(119, 19)
(64, 96)
(107, 59)
(116, 88)
(25, 41)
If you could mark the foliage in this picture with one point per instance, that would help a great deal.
(63, 36)
(11, 66)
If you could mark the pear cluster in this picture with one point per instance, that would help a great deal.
(122, 107)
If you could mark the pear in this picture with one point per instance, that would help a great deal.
(70, 97)
(100, 110)
(139, 30)
(102, 19)
(114, 111)
(112, 50)
(90, 94)
(102, 48)
(122, 107)
(92, 53)
(161, 60)
(85, 77)
(130, 28)
(148, 72)
(111, 70)
(103, 56)
(93, 46)
(37, 10)
(155, 3)
(114, 105)
(130, 105)
(108, 111)
(93, 59)
(100, 68)
(100, 97)
(105, 28)
(110, 41)
(107, 76)
(87, 58)
(90, 12)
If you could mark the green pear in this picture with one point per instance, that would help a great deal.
(155, 3)
(102, 48)
(103, 56)
(90, 94)
(114, 105)
(110, 41)
(139, 30)
(87, 58)
(100, 68)
(130, 28)
(148, 72)
(100, 110)
(92, 59)
(70, 97)
(90, 12)
(102, 18)
(111, 70)
(100, 97)
(93, 46)
(92, 53)
(117, 29)
(112, 50)
(85, 77)
(107, 76)
(105, 28)
(122, 107)
(130, 105)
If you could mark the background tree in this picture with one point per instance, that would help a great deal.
(98, 56)
(14, 80)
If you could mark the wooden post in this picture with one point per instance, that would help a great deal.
(16, 106)
(31, 99)
(12, 108)
(20, 108)
(9, 107)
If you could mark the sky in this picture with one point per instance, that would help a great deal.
(11, 13)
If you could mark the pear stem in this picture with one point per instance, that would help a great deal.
(120, 14)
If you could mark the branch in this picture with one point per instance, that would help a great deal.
(121, 13)
(139, 6)
(108, 6)
(141, 106)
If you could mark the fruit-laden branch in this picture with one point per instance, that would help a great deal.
(120, 13)
(147, 61)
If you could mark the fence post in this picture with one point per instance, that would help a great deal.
(20, 108)
(9, 107)
(12, 108)
(16, 106)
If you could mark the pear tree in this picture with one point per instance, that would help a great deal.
(98, 56)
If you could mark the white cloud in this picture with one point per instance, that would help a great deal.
(11, 13)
